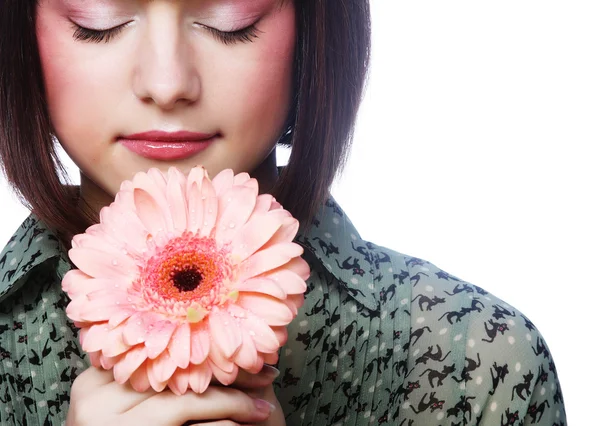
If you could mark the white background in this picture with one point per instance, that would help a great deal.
(477, 149)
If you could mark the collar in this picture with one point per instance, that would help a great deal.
(32, 245)
(331, 239)
(334, 242)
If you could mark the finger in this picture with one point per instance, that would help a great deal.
(122, 397)
(215, 404)
(92, 378)
(264, 377)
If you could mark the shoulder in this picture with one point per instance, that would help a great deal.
(39, 352)
(471, 354)
(405, 340)
(32, 245)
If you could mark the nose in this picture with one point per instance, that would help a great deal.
(165, 73)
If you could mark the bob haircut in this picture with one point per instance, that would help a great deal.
(330, 68)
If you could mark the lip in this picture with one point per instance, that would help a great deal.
(158, 145)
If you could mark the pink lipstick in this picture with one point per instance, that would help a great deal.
(165, 146)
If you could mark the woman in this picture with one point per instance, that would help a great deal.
(382, 337)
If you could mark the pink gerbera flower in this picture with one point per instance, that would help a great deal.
(184, 279)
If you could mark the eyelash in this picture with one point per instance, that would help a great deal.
(244, 35)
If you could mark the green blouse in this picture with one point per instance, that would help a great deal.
(383, 338)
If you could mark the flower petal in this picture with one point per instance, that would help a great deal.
(179, 346)
(242, 178)
(262, 285)
(282, 334)
(299, 266)
(134, 331)
(95, 359)
(81, 311)
(289, 281)
(122, 224)
(176, 200)
(263, 204)
(235, 207)
(225, 377)
(139, 379)
(179, 382)
(129, 363)
(196, 208)
(287, 231)
(160, 371)
(255, 233)
(200, 376)
(211, 208)
(77, 283)
(263, 336)
(149, 212)
(224, 332)
(271, 358)
(99, 264)
(247, 356)
(119, 317)
(219, 360)
(98, 242)
(108, 362)
(158, 338)
(267, 259)
(223, 181)
(200, 343)
(95, 337)
(271, 310)
(114, 344)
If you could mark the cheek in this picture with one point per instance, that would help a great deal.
(258, 85)
(75, 80)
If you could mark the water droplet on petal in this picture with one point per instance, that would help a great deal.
(138, 323)
(140, 339)
(210, 210)
(205, 223)
(232, 225)
(193, 211)
(115, 262)
(203, 197)
(229, 200)
(252, 333)
(129, 299)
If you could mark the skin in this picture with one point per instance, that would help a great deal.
(166, 71)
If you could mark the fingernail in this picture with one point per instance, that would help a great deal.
(271, 371)
(264, 406)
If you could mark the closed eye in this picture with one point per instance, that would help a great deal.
(244, 35)
(96, 36)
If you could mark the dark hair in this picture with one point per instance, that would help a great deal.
(331, 62)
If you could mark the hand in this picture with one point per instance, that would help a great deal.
(277, 418)
(96, 399)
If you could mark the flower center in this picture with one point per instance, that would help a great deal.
(189, 271)
(186, 280)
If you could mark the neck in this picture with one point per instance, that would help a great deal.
(92, 197)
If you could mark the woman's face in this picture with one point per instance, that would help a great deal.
(166, 67)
